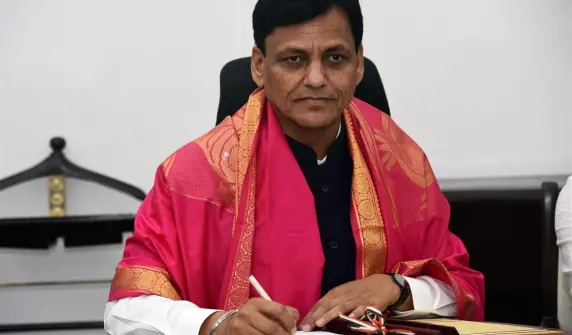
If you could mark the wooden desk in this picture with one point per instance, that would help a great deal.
(500, 221)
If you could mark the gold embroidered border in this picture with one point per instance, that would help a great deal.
(367, 209)
(370, 142)
(246, 136)
(239, 288)
(144, 279)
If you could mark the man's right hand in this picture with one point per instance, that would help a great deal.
(259, 316)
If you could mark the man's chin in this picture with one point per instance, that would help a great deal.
(315, 124)
(314, 119)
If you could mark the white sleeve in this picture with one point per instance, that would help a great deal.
(151, 314)
(563, 225)
(430, 297)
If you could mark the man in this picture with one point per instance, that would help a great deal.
(318, 195)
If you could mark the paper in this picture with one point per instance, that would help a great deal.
(480, 328)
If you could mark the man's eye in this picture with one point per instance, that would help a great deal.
(336, 58)
(293, 59)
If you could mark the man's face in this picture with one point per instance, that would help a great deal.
(310, 71)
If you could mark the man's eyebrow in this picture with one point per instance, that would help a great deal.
(337, 47)
(291, 48)
(300, 50)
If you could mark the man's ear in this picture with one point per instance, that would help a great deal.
(256, 63)
(360, 64)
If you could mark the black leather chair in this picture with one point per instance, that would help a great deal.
(507, 225)
(236, 85)
(550, 191)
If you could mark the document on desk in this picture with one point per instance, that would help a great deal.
(489, 328)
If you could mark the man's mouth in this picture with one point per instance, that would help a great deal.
(314, 99)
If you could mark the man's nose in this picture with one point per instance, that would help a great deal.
(316, 77)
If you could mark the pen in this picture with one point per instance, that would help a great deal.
(258, 288)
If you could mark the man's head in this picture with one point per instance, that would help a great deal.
(309, 58)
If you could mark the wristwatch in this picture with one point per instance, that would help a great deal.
(404, 288)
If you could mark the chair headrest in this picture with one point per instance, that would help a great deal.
(236, 85)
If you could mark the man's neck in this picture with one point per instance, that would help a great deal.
(318, 139)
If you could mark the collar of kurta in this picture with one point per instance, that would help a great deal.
(296, 145)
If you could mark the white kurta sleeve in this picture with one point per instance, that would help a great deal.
(430, 297)
(152, 314)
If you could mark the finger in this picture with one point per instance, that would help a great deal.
(294, 312)
(328, 302)
(280, 314)
(268, 325)
(313, 310)
(249, 331)
(358, 313)
(334, 308)
(321, 307)
(243, 327)
(329, 316)
(309, 321)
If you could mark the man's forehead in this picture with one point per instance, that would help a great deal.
(311, 31)
(307, 42)
(329, 30)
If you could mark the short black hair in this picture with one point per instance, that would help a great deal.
(271, 14)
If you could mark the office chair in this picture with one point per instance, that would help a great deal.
(236, 85)
(550, 191)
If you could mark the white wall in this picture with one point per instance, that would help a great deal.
(484, 86)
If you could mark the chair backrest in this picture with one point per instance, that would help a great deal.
(550, 191)
(236, 85)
